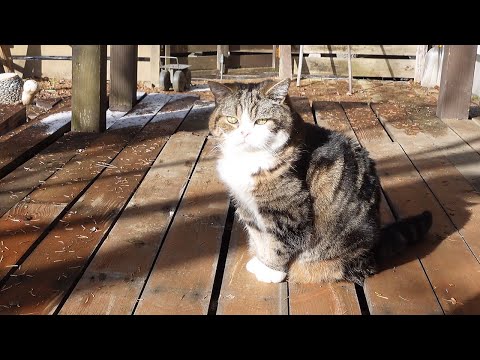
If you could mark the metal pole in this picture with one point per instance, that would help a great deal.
(300, 63)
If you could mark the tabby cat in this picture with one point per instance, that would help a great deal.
(309, 197)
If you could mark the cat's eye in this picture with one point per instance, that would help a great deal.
(232, 119)
(261, 121)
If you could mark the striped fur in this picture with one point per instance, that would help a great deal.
(309, 197)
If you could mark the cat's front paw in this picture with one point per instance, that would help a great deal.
(264, 273)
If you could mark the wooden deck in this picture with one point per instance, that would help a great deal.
(135, 220)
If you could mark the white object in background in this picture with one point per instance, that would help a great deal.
(433, 67)
(300, 63)
(30, 88)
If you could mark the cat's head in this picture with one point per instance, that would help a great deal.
(251, 117)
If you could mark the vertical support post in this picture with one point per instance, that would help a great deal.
(457, 80)
(300, 63)
(222, 50)
(285, 66)
(167, 53)
(123, 77)
(274, 57)
(89, 88)
(155, 65)
(420, 62)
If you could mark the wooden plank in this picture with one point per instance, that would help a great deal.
(401, 286)
(390, 50)
(467, 130)
(70, 181)
(236, 61)
(182, 278)
(47, 104)
(23, 180)
(251, 48)
(457, 196)
(241, 293)
(338, 298)
(12, 116)
(139, 232)
(449, 263)
(58, 261)
(330, 115)
(19, 148)
(447, 142)
(456, 83)
(420, 62)
(181, 49)
(64, 105)
(301, 105)
(285, 66)
(123, 77)
(89, 88)
(361, 67)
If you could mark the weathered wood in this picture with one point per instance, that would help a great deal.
(182, 277)
(77, 174)
(241, 293)
(448, 261)
(285, 64)
(363, 67)
(6, 58)
(67, 249)
(456, 83)
(12, 116)
(123, 77)
(182, 49)
(467, 130)
(47, 104)
(420, 62)
(139, 232)
(388, 50)
(23, 180)
(21, 147)
(89, 88)
(401, 287)
(155, 65)
(447, 142)
(222, 50)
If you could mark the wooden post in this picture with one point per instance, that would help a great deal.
(155, 65)
(6, 58)
(89, 87)
(222, 50)
(420, 62)
(457, 80)
(285, 66)
(123, 77)
(274, 57)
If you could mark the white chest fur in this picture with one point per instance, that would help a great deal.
(236, 169)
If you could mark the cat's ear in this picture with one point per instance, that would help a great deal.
(220, 91)
(279, 91)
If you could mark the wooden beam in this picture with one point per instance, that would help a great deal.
(457, 80)
(420, 62)
(89, 88)
(274, 57)
(155, 65)
(123, 77)
(222, 50)
(285, 66)
(6, 58)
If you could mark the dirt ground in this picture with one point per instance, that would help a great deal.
(404, 93)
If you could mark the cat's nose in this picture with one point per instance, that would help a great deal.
(244, 133)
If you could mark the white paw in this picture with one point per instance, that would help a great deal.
(264, 273)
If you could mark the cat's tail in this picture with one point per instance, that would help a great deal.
(395, 237)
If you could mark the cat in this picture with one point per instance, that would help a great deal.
(309, 197)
